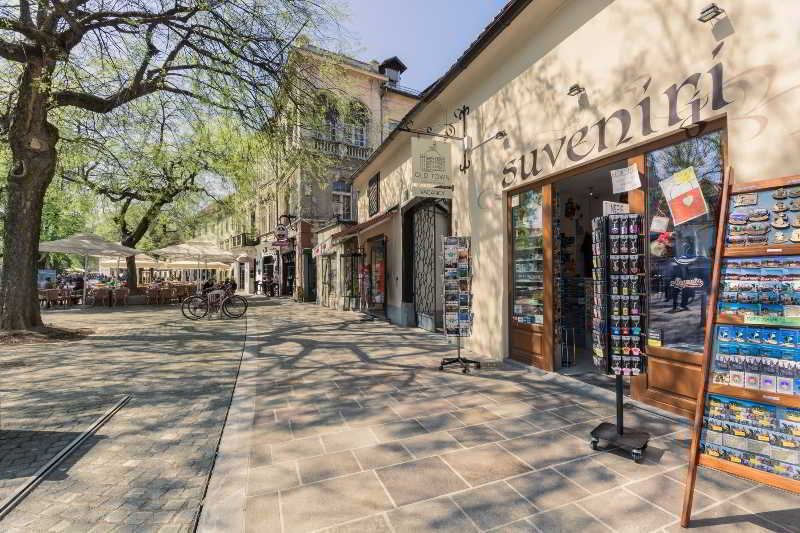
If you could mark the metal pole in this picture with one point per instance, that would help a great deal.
(619, 404)
(85, 268)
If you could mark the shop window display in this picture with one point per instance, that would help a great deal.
(528, 258)
(681, 256)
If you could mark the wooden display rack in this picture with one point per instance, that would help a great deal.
(713, 318)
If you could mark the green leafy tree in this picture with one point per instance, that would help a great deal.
(64, 57)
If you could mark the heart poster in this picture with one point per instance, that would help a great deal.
(684, 196)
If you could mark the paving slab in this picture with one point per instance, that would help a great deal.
(547, 489)
(431, 444)
(667, 494)
(544, 449)
(440, 515)
(327, 466)
(726, 518)
(331, 502)
(493, 505)
(486, 463)
(476, 435)
(382, 455)
(568, 519)
(624, 512)
(419, 480)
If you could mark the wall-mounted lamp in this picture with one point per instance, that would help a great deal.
(575, 90)
(468, 148)
(710, 12)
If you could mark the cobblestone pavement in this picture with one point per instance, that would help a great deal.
(340, 425)
(146, 469)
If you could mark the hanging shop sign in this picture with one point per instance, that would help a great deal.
(430, 161)
(684, 196)
(281, 233)
(625, 179)
(431, 192)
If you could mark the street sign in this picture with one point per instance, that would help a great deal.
(431, 192)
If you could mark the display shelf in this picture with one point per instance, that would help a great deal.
(772, 398)
(760, 198)
(762, 250)
(728, 319)
(748, 472)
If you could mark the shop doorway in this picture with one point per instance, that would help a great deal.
(288, 273)
(311, 277)
(430, 221)
(576, 200)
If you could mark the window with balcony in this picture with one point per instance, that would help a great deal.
(342, 200)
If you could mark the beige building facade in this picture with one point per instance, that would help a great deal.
(577, 89)
(304, 203)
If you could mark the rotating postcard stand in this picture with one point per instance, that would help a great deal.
(617, 333)
(457, 296)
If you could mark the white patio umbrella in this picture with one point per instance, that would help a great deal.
(86, 244)
(196, 250)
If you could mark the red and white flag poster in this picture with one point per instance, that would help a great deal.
(684, 196)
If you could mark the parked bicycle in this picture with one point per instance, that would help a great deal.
(218, 300)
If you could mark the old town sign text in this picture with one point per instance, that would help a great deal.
(598, 138)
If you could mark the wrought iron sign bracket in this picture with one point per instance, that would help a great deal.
(449, 131)
(461, 114)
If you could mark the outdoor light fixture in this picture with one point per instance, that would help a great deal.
(710, 12)
(575, 90)
(468, 148)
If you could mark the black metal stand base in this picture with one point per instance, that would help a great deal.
(459, 361)
(616, 435)
(630, 440)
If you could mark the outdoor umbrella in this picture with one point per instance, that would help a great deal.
(86, 244)
(196, 250)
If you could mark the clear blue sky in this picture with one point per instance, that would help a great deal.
(427, 35)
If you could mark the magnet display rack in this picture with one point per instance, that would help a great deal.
(617, 322)
(743, 425)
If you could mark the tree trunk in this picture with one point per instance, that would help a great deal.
(33, 147)
(133, 278)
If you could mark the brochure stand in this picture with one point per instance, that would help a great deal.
(617, 339)
(457, 296)
(747, 419)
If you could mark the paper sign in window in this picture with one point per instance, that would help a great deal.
(684, 196)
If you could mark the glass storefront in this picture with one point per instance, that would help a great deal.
(528, 258)
(682, 256)
(378, 275)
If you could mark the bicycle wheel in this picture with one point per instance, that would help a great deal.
(234, 306)
(194, 307)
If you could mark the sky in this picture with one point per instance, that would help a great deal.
(427, 35)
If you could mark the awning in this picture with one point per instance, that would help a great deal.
(358, 228)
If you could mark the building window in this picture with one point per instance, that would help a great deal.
(684, 252)
(374, 194)
(342, 200)
(355, 131)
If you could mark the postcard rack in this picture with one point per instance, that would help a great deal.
(747, 419)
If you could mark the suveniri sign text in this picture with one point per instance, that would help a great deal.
(597, 138)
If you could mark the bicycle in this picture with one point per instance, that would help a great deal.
(198, 306)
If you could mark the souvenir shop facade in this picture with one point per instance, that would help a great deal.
(557, 104)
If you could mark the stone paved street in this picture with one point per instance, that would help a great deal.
(144, 470)
(343, 425)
